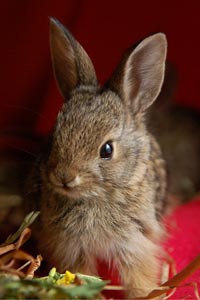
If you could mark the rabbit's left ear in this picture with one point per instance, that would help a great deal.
(139, 77)
(72, 66)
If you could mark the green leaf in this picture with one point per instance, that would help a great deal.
(88, 279)
(28, 220)
(86, 291)
(14, 288)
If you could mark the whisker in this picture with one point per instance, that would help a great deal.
(21, 150)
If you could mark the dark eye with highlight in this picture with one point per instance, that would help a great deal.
(106, 150)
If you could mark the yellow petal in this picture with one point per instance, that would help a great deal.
(68, 278)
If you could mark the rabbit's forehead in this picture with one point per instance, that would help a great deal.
(104, 110)
(86, 121)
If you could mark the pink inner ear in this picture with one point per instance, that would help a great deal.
(144, 72)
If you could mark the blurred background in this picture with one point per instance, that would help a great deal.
(29, 99)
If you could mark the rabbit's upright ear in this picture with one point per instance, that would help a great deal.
(139, 77)
(72, 66)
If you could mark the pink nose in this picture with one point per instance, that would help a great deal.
(62, 180)
(68, 181)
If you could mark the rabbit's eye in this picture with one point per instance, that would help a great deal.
(106, 150)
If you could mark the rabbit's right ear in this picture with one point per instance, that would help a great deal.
(139, 77)
(72, 66)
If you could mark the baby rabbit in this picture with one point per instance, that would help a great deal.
(101, 184)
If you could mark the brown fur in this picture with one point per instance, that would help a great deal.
(91, 207)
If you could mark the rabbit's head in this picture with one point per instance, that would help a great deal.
(100, 141)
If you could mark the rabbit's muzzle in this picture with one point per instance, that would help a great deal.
(64, 182)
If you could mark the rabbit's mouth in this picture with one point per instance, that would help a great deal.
(73, 192)
(68, 183)
(77, 187)
(76, 192)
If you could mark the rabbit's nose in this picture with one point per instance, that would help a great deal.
(64, 180)
(70, 181)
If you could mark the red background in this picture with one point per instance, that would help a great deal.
(29, 99)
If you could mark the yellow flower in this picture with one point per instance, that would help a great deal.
(68, 278)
